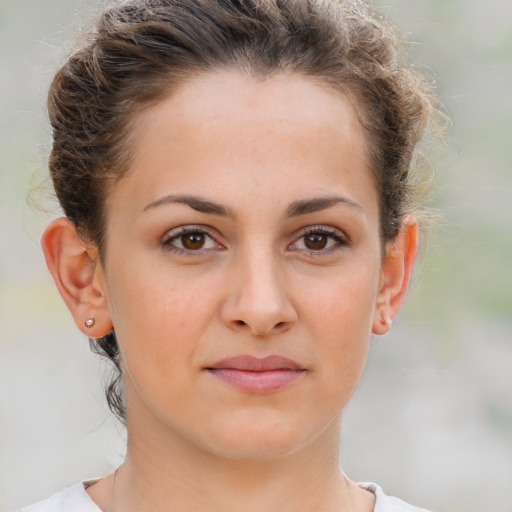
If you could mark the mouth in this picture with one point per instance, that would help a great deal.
(257, 375)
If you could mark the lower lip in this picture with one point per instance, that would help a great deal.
(257, 382)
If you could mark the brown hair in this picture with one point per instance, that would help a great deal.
(139, 49)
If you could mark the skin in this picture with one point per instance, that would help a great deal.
(259, 285)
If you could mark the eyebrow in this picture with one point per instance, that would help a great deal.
(318, 204)
(295, 209)
(196, 203)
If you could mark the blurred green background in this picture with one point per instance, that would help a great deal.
(432, 418)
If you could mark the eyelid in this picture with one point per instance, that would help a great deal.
(343, 240)
(183, 230)
(175, 233)
(327, 230)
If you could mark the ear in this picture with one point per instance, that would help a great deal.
(395, 274)
(78, 274)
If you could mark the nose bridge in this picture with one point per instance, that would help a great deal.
(260, 277)
(260, 300)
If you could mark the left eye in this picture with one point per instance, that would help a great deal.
(318, 241)
(190, 241)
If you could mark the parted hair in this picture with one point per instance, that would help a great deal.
(139, 50)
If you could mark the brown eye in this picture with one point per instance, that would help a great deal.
(193, 241)
(320, 240)
(315, 241)
(189, 240)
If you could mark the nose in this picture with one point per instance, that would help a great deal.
(259, 302)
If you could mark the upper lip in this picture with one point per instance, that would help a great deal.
(256, 364)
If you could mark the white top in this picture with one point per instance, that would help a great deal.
(75, 499)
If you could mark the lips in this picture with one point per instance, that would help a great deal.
(257, 375)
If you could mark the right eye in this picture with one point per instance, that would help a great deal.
(189, 240)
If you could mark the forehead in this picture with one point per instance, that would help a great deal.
(289, 98)
(228, 127)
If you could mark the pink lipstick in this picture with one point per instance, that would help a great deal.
(257, 375)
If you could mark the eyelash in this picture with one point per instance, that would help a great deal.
(175, 234)
(340, 239)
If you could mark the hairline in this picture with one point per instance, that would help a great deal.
(129, 134)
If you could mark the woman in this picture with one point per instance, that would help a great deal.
(240, 217)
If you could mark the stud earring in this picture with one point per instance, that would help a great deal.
(90, 322)
(387, 322)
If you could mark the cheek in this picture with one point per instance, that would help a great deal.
(158, 317)
(340, 320)
(342, 304)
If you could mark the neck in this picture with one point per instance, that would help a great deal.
(163, 471)
(175, 476)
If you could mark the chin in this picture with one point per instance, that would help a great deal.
(256, 448)
(260, 439)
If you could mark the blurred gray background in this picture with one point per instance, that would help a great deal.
(432, 419)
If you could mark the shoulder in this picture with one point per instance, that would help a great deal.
(72, 499)
(75, 499)
(384, 503)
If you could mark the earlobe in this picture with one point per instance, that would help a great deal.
(395, 275)
(78, 274)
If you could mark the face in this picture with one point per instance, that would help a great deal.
(243, 264)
